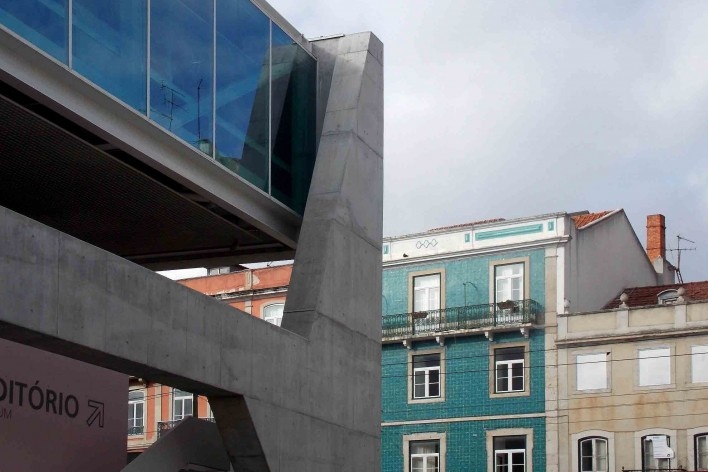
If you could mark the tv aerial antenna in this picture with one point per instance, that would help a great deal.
(679, 250)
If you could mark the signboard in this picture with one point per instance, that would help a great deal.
(661, 448)
(57, 413)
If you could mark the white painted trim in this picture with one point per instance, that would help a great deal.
(528, 455)
(475, 252)
(407, 438)
(463, 419)
(575, 438)
(690, 441)
(409, 380)
(671, 433)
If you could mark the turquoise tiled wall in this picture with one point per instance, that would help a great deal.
(466, 443)
(467, 382)
(457, 271)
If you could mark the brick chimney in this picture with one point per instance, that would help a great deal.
(656, 237)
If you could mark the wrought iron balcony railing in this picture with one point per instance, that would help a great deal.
(163, 427)
(135, 430)
(460, 318)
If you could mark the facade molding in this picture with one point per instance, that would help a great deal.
(462, 419)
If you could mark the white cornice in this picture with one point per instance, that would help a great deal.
(475, 252)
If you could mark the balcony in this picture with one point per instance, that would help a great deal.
(486, 319)
(136, 430)
(164, 427)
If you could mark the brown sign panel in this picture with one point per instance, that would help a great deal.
(57, 413)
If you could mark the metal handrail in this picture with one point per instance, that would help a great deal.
(460, 318)
(136, 430)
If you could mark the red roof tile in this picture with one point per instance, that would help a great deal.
(583, 220)
(464, 225)
(644, 296)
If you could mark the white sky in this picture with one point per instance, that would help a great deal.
(507, 109)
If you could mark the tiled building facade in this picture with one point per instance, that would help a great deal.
(469, 370)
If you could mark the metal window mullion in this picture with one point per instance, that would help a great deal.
(213, 84)
(148, 25)
(70, 34)
(270, 106)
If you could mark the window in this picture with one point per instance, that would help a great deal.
(699, 364)
(591, 371)
(136, 412)
(510, 454)
(426, 376)
(667, 297)
(426, 292)
(182, 404)
(509, 370)
(654, 367)
(592, 455)
(424, 452)
(509, 282)
(656, 453)
(701, 448)
(425, 456)
(274, 313)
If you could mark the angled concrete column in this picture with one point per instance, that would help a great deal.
(334, 296)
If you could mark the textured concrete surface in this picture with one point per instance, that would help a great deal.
(302, 398)
(190, 446)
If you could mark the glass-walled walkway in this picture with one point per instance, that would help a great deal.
(219, 74)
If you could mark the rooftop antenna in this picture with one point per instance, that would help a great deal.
(679, 249)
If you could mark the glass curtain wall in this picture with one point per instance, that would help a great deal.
(294, 75)
(110, 47)
(44, 23)
(242, 90)
(221, 75)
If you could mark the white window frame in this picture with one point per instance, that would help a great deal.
(496, 433)
(276, 318)
(425, 456)
(181, 397)
(526, 288)
(696, 352)
(639, 437)
(668, 297)
(658, 359)
(576, 438)
(701, 439)
(595, 359)
(431, 294)
(493, 370)
(411, 287)
(426, 371)
(509, 279)
(409, 438)
(411, 375)
(691, 437)
(132, 407)
(594, 441)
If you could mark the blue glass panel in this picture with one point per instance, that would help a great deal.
(181, 72)
(242, 61)
(294, 76)
(110, 47)
(42, 22)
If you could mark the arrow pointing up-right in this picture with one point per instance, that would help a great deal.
(97, 413)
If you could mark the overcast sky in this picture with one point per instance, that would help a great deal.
(510, 109)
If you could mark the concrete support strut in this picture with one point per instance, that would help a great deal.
(304, 397)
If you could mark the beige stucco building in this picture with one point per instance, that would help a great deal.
(633, 382)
